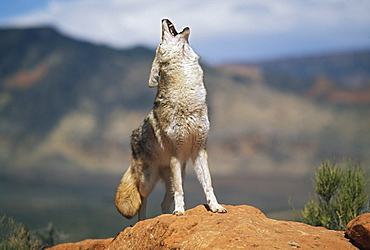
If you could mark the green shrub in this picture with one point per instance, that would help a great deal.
(15, 236)
(340, 195)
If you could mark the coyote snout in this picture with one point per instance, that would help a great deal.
(174, 131)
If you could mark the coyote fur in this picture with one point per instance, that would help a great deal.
(174, 131)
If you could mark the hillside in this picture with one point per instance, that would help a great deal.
(67, 110)
(73, 105)
(57, 93)
(335, 78)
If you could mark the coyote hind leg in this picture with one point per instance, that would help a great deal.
(148, 180)
(204, 177)
(142, 209)
(168, 197)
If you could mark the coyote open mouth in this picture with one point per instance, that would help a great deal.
(171, 28)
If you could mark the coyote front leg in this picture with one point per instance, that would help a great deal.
(178, 192)
(204, 177)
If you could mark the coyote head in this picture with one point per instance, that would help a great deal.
(174, 48)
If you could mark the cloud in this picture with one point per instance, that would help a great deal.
(127, 23)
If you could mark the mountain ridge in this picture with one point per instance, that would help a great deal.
(345, 74)
(83, 97)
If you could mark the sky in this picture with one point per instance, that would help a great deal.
(221, 31)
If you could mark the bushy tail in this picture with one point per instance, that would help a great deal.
(128, 199)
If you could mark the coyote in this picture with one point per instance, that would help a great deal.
(175, 130)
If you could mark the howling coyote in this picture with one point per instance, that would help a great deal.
(175, 130)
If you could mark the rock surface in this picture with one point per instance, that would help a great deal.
(89, 244)
(358, 230)
(242, 227)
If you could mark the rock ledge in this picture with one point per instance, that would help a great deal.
(241, 227)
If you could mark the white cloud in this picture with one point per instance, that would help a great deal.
(123, 23)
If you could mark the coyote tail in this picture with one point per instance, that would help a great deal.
(128, 199)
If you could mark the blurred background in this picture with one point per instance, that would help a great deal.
(288, 87)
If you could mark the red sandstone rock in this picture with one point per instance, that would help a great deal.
(358, 230)
(89, 244)
(242, 227)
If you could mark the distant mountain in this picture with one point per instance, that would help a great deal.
(45, 75)
(337, 78)
(70, 105)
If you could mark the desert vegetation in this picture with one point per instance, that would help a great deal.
(340, 195)
(15, 236)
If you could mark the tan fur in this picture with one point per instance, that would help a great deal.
(175, 130)
(128, 199)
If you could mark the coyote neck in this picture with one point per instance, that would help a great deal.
(182, 85)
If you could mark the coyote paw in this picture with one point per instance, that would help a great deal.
(217, 208)
(178, 213)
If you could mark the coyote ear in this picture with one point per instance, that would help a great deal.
(185, 34)
(154, 74)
